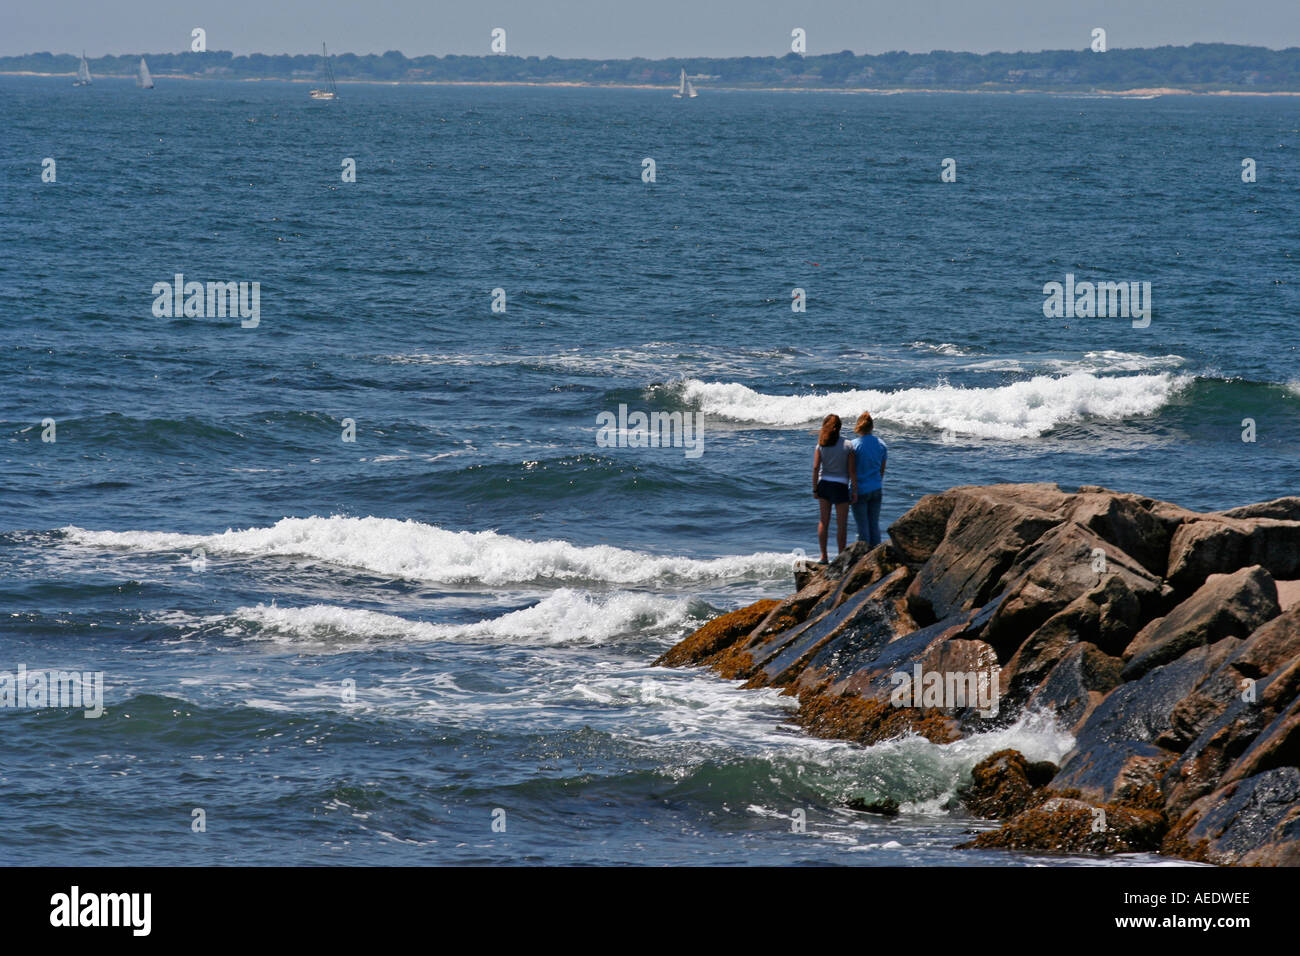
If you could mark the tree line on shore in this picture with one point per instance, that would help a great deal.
(1199, 66)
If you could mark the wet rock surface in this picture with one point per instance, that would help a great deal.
(1166, 641)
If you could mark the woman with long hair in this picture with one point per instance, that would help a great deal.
(835, 481)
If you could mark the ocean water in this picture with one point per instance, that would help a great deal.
(371, 652)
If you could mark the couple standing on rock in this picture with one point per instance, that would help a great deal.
(848, 473)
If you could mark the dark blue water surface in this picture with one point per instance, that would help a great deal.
(493, 581)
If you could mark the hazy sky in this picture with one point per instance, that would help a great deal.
(621, 28)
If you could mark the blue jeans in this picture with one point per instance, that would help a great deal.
(866, 512)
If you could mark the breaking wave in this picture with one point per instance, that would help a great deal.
(1020, 410)
(415, 551)
(564, 617)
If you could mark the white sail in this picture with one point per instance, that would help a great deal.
(146, 81)
(681, 86)
(690, 90)
(83, 72)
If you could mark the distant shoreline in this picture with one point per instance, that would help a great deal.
(562, 84)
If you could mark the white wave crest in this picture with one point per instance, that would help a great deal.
(564, 617)
(942, 348)
(1109, 360)
(1019, 410)
(415, 551)
(943, 769)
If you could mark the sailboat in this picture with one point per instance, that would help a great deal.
(333, 91)
(685, 88)
(146, 81)
(83, 71)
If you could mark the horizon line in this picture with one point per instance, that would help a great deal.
(734, 56)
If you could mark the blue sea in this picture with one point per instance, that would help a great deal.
(433, 644)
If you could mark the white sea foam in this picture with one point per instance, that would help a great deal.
(888, 845)
(564, 617)
(942, 348)
(1109, 360)
(947, 766)
(421, 552)
(1102, 362)
(1019, 410)
(924, 776)
(652, 360)
(995, 365)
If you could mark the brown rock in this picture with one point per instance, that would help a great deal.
(1202, 705)
(1109, 616)
(870, 568)
(979, 575)
(867, 721)
(1115, 756)
(1250, 822)
(918, 532)
(984, 535)
(1060, 569)
(795, 609)
(1066, 825)
(1278, 744)
(1128, 523)
(1077, 684)
(1221, 545)
(1126, 770)
(1285, 509)
(866, 613)
(885, 808)
(1044, 496)
(1058, 576)
(1004, 784)
(1034, 660)
(1267, 649)
(1269, 646)
(1170, 515)
(1227, 605)
(871, 675)
(716, 636)
(879, 624)
(832, 571)
(1219, 754)
(805, 572)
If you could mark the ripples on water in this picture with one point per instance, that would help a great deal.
(493, 582)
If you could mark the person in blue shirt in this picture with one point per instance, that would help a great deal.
(869, 455)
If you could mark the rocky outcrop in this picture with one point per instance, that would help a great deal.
(1166, 641)
(1066, 825)
(1226, 605)
(713, 640)
(1006, 784)
(1220, 544)
(1255, 821)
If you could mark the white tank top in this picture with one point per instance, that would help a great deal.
(835, 462)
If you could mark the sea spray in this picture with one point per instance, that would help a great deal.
(564, 617)
(1020, 410)
(421, 552)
